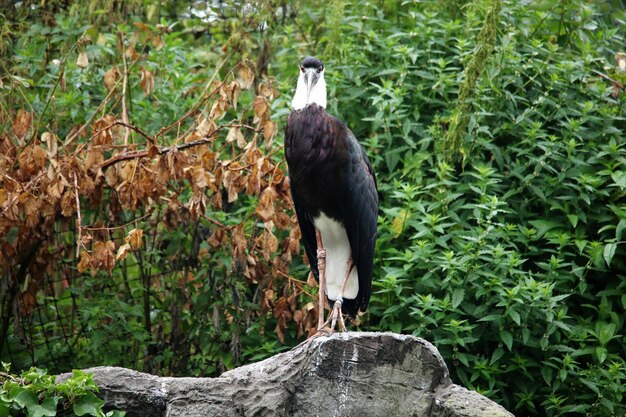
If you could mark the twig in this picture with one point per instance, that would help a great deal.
(296, 282)
(120, 226)
(106, 99)
(290, 278)
(204, 99)
(79, 219)
(131, 127)
(124, 87)
(17, 84)
(74, 135)
(12, 378)
(23, 188)
(212, 220)
(617, 83)
(190, 112)
(56, 84)
(269, 155)
(143, 153)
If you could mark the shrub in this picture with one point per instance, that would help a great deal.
(510, 261)
(34, 393)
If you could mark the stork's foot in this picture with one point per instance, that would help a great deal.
(324, 331)
(336, 317)
(327, 328)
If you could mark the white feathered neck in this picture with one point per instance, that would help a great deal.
(317, 95)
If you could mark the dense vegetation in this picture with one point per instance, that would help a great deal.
(146, 220)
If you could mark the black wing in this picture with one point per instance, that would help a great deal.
(359, 213)
(308, 231)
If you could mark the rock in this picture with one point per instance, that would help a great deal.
(346, 374)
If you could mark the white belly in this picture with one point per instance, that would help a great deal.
(335, 241)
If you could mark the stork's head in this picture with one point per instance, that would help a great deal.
(311, 86)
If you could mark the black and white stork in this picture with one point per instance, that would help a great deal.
(334, 192)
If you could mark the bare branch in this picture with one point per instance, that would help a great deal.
(125, 118)
(79, 219)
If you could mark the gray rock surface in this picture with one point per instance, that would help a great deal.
(346, 374)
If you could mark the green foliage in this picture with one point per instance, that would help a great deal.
(512, 264)
(34, 393)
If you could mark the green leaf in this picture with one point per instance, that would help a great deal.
(515, 316)
(491, 317)
(573, 219)
(497, 354)
(620, 178)
(4, 410)
(507, 338)
(592, 386)
(619, 229)
(544, 226)
(547, 374)
(580, 244)
(601, 354)
(397, 225)
(609, 252)
(88, 404)
(48, 408)
(457, 297)
(605, 332)
(26, 399)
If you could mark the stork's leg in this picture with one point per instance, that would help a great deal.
(321, 267)
(335, 314)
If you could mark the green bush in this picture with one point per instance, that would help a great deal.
(512, 261)
(34, 393)
(507, 254)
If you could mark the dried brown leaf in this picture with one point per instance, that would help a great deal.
(265, 208)
(134, 238)
(103, 133)
(122, 252)
(68, 203)
(147, 82)
(158, 42)
(82, 61)
(103, 257)
(234, 91)
(131, 53)
(205, 127)
(111, 77)
(197, 204)
(22, 123)
(239, 241)
(246, 77)
(85, 262)
(198, 176)
(217, 238)
(261, 109)
(269, 131)
(32, 159)
(235, 135)
(51, 140)
(94, 159)
(218, 109)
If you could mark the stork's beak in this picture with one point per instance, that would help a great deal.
(310, 79)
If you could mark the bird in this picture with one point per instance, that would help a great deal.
(335, 196)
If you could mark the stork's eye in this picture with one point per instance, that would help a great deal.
(302, 69)
(319, 70)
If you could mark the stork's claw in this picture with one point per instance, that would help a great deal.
(334, 317)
